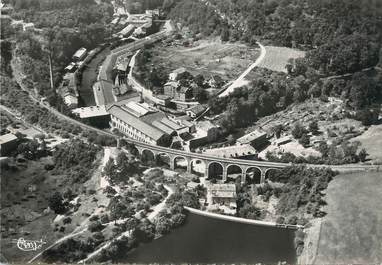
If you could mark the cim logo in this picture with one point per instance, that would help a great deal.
(29, 245)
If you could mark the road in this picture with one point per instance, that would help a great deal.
(74, 234)
(240, 80)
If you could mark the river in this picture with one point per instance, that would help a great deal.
(89, 77)
(207, 240)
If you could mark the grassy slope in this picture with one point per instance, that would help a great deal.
(371, 140)
(352, 230)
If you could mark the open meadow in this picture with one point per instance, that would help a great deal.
(207, 57)
(351, 232)
(371, 140)
(277, 57)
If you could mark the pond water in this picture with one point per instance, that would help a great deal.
(208, 240)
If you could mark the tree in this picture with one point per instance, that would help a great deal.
(163, 225)
(95, 226)
(277, 130)
(298, 131)
(313, 127)
(362, 155)
(56, 203)
(304, 140)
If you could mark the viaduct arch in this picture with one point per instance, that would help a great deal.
(246, 166)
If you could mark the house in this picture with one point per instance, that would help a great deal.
(234, 151)
(8, 143)
(94, 115)
(71, 67)
(28, 26)
(223, 194)
(195, 111)
(127, 31)
(211, 130)
(178, 74)
(282, 140)
(162, 100)
(80, 54)
(215, 81)
(69, 91)
(152, 13)
(205, 132)
(255, 138)
(177, 92)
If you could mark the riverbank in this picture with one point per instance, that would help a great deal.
(241, 220)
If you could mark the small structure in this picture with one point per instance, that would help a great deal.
(205, 132)
(282, 140)
(68, 90)
(71, 67)
(95, 115)
(234, 151)
(80, 54)
(195, 111)
(177, 74)
(255, 138)
(215, 81)
(223, 194)
(8, 142)
(175, 90)
(127, 31)
(162, 100)
(28, 26)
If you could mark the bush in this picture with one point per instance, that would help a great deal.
(95, 226)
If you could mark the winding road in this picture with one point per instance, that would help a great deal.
(240, 80)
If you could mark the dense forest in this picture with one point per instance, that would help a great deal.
(343, 36)
(340, 37)
(271, 91)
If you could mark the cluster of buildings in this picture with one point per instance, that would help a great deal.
(69, 86)
(113, 78)
(136, 25)
(142, 122)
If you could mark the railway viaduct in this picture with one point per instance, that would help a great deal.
(222, 165)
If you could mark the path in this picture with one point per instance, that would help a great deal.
(240, 80)
(58, 242)
(155, 211)
(159, 207)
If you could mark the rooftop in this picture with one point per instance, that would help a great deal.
(232, 151)
(223, 190)
(6, 138)
(80, 52)
(197, 109)
(251, 137)
(205, 125)
(143, 125)
(93, 111)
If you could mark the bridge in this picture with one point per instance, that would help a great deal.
(213, 165)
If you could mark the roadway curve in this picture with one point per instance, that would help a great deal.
(239, 81)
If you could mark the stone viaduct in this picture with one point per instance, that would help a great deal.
(220, 166)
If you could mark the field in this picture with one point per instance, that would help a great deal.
(206, 57)
(371, 140)
(351, 232)
(24, 197)
(277, 58)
